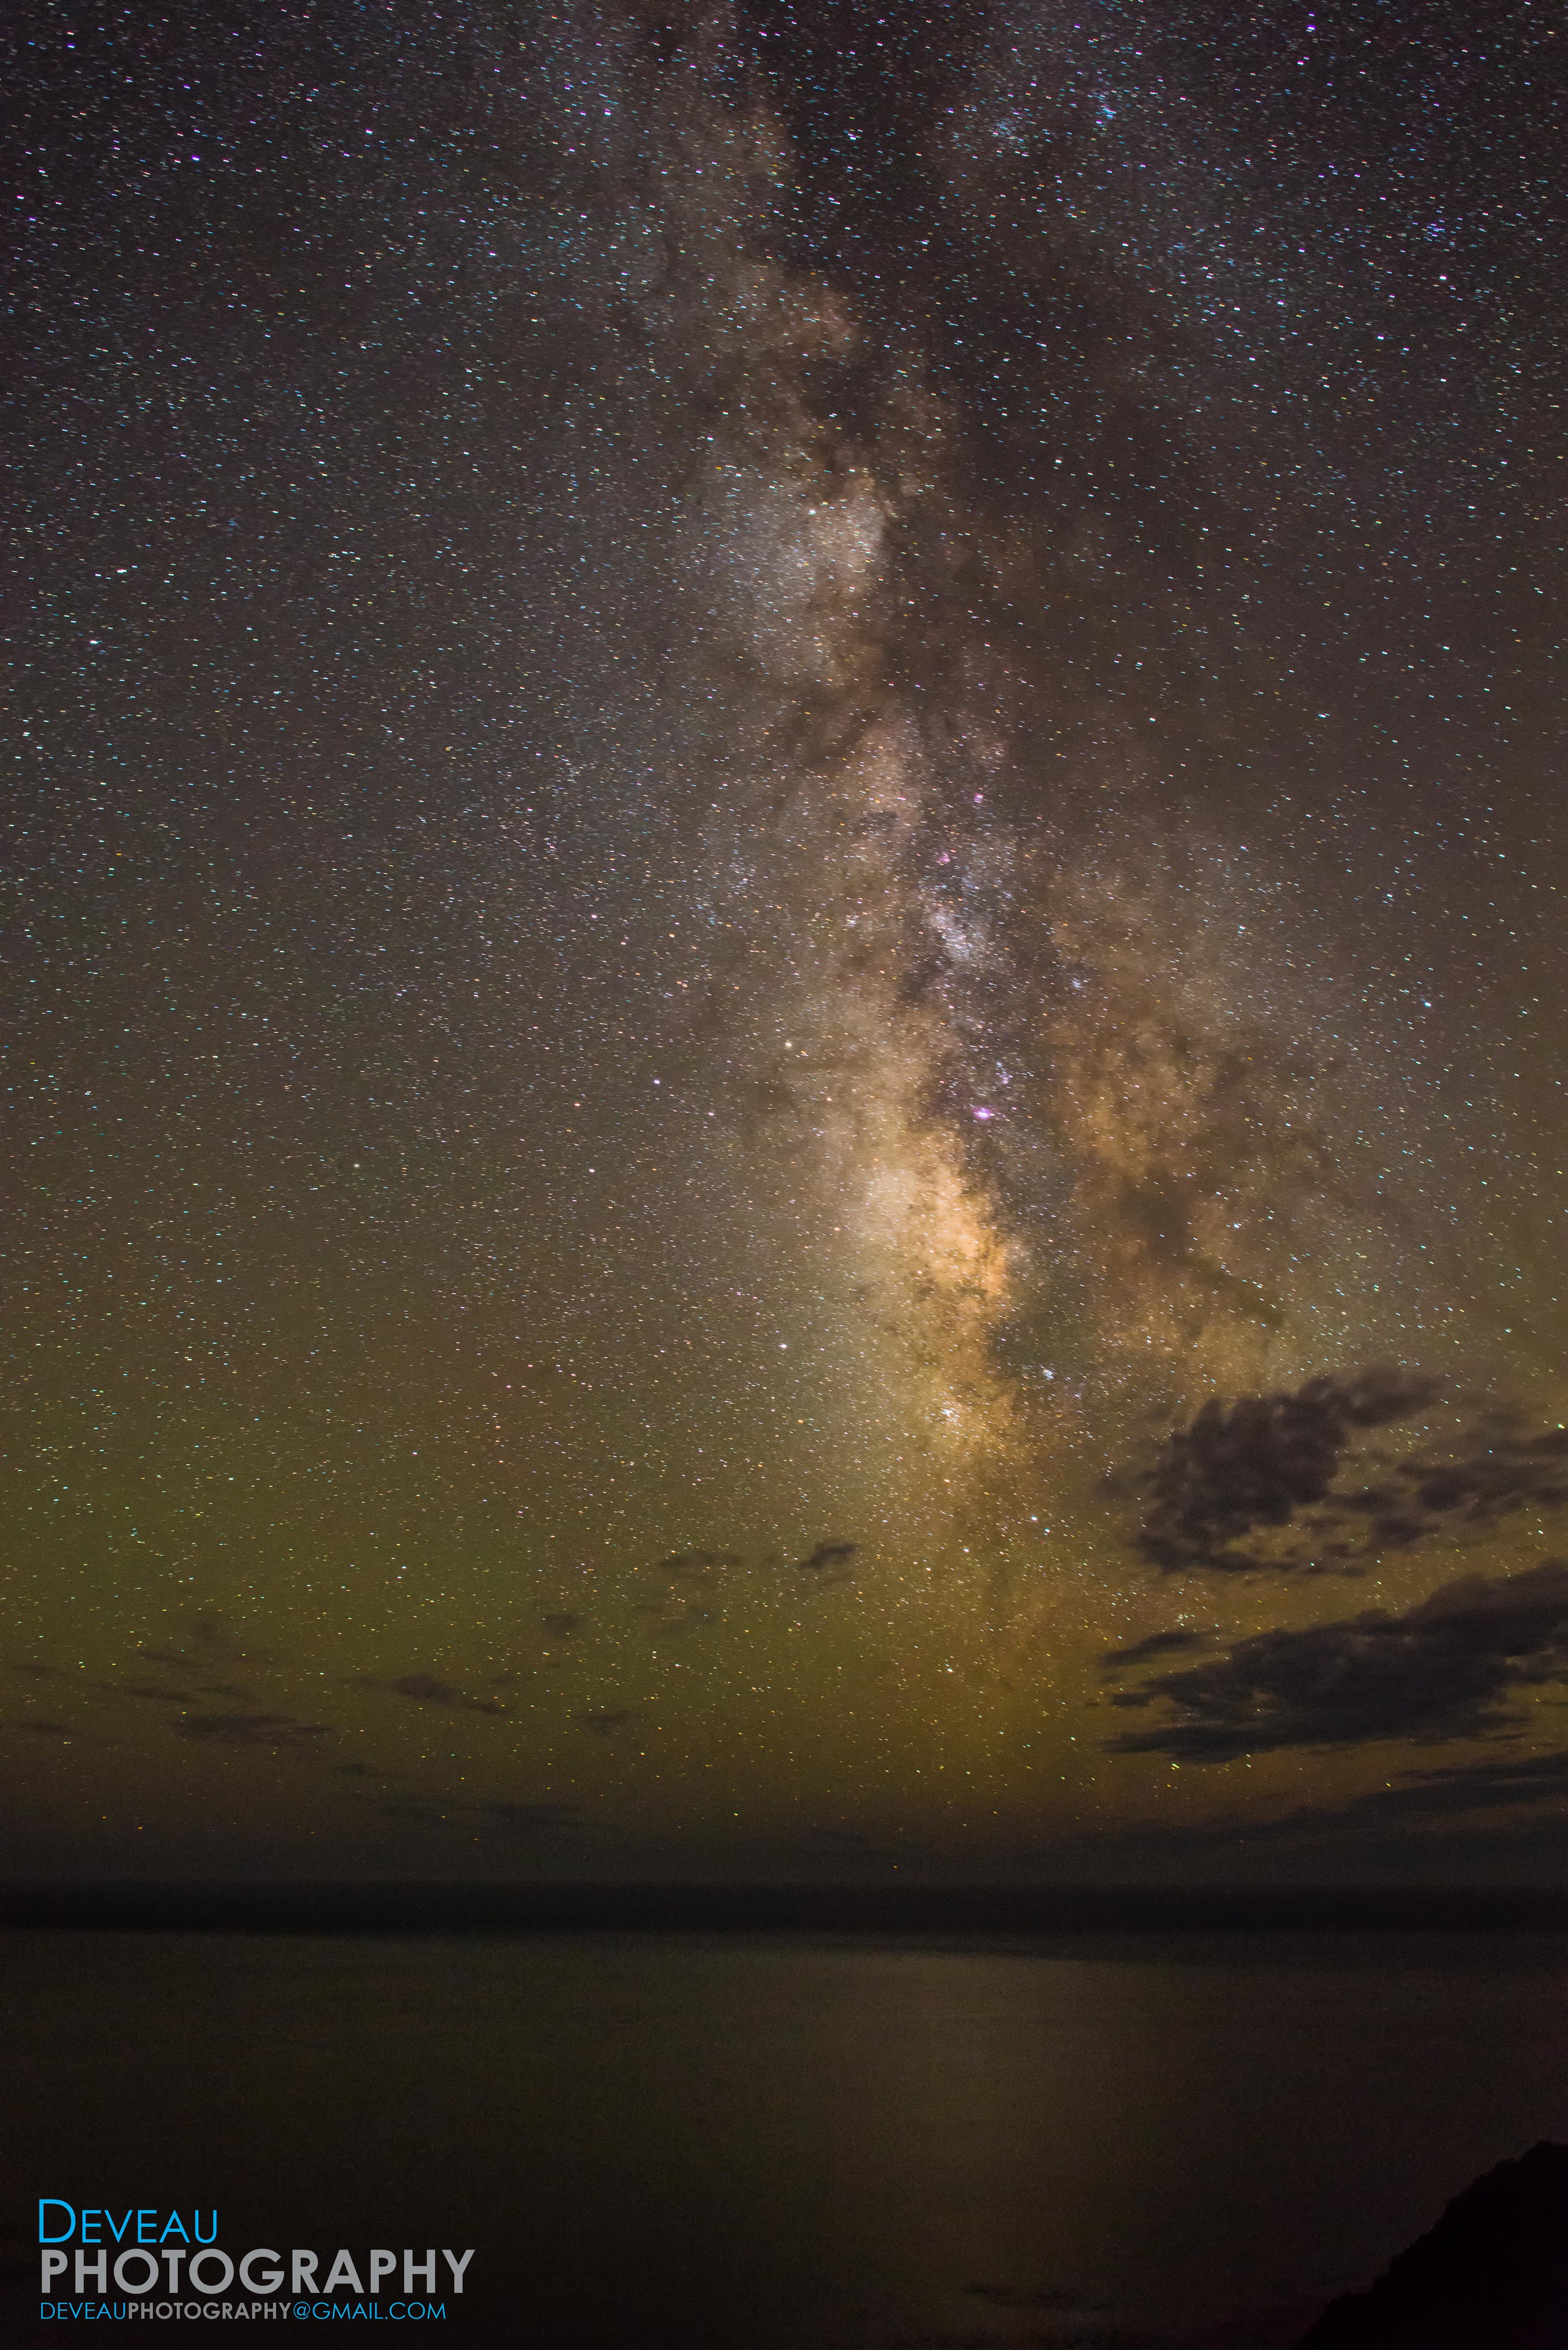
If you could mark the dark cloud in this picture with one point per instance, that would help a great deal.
(1533, 1788)
(831, 1555)
(1516, 1782)
(429, 1689)
(1143, 1652)
(408, 1809)
(605, 1725)
(1445, 1669)
(679, 1585)
(665, 1608)
(273, 1729)
(1264, 1482)
(532, 1819)
(214, 1638)
(1494, 1822)
(560, 1626)
(699, 1565)
(211, 1646)
(48, 1729)
(1258, 1459)
(211, 1643)
(1503, 1466)
(36, 1671)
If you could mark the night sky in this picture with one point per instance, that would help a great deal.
(784, 910)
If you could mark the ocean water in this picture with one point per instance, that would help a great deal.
(734, 2142)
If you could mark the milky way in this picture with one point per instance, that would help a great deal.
(789, 889)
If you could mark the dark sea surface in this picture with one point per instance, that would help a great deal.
(846, 2142)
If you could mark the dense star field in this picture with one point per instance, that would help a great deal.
(785, 925)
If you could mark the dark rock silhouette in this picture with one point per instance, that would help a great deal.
(1492, 2276)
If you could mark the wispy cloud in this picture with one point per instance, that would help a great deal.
(1445, 1668)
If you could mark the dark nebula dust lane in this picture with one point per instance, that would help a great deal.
(786, 932)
